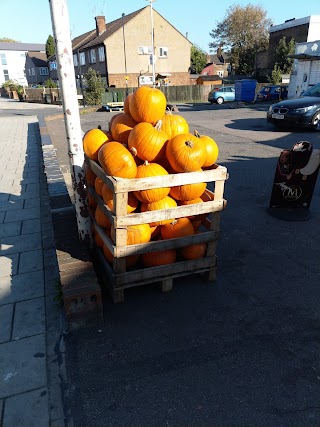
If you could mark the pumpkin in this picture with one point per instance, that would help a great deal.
(107, 195)
(92, 141)
(126, 108)
(188, 191)
(173, 124)
(165, 203)
(90, 176)
(98, 240)
(211, 148)
(147, 105)
(148, 142)
(195, 251)
(131, 260)
(180, 227)
(111, 120)
(121, 127)
(196, 223)
(98, 184)
(101, 218)
(152, 259)
(91, 202)
(154, 194)
(155, 232)
(186, 153)
(192, 202)
(207, 196)
(116, 160)
(136, 234)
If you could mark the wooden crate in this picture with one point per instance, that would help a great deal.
(117, 277)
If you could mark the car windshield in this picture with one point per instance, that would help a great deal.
(313, 91)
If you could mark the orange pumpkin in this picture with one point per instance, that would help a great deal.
(93, 140)
(98, 184)
(117, 161)
(196, 223)
(148, 142)
(121, 127)
(186, 153)
(211, 148)
(165, 203)
(154, 194)
(89, 176)
(136, 234)
(152, 259)
(147, 105)
(195, 251)
(126, 108)
(107, 195)
(188, 191)
(180, 227)
(101, 218)
(192, 202)
(173, 124)
(155, 232)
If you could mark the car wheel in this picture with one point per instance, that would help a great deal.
(315, 122)
(220, 100)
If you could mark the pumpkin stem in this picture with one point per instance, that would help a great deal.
(197, 134)
(146, 163)
(133, 151)
(158, 125)
(189, 144)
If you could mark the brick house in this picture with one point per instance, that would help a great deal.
(36, 68)
(121, 51)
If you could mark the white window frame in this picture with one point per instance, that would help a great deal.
(93, 58)
(145, 50)
(43, 71)
(101, 54)
(75, 59)
(6, 75)
(82, 58)
(163, 52)
(3, 59)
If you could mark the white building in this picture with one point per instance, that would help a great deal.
(13, 59)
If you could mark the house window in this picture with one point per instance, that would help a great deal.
(75, 59)
(33, 71)
(163, 52)
(6, 75)
(92, 56)
(101, 54)
(145, 50)
(44, 71)
(3, 59)
(82, 58)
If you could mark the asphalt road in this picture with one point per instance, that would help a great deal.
(243, 351)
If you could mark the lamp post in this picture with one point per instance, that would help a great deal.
(124, 53)
(152, 43)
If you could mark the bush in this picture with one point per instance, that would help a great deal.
(93, 87)
(50, 84)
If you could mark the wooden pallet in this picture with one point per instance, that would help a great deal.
(117, 277)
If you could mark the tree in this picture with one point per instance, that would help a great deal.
(276, 75)
(7, 40)
(93, 91)
(243, 32)
(280, 56)
(198, 59)
(50, 46)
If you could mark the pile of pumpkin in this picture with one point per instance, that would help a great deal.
(143, 141)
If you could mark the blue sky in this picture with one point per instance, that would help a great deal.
(30, 21)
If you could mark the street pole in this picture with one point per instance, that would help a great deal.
(64, 56)
(152, 44)
(125, 56)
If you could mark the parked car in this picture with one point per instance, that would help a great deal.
(221, 94)
(270, 92)
(299, 112)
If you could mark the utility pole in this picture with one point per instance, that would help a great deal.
(152, 43)
(125, 55)
(64, 56)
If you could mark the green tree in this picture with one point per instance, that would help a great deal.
(280, 56)
(7, 40)
(242, 33)
(93, 91)
(198, 59)
(50, 83)
(276, 75)
(50, 46)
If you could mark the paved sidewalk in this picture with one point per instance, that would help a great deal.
(32, 324)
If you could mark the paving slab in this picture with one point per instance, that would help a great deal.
(24, 367)
(10, 229)
(6, 316)
(29, 318)
(9, 264)
(16, 244)
(23, 214)
(30, 261)
(31, 226)
(21, 287)
(27, 409)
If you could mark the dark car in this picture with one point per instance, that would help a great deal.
(271, 92)
(300, 112)
(220, 95)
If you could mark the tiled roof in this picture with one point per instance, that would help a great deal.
(25, 47)
(38, 58)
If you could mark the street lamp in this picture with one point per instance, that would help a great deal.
(152, 43)
(125, 56)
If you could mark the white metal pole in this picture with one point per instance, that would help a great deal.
(152, 43)
(64, 56)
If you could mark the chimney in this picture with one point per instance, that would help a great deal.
(100, 25)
